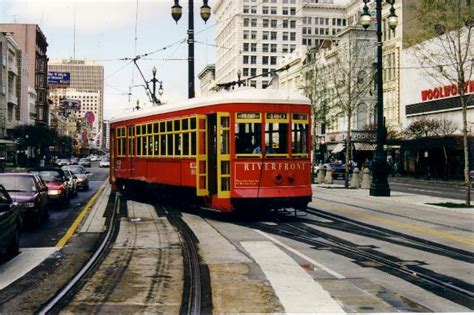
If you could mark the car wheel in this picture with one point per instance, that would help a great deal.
(14, 246)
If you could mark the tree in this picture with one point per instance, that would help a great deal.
(315, 87)
(443, 46)
(351, 72)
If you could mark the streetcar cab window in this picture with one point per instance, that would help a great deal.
(299, 135)
(276, 134)
(248, 135)
(131, 137)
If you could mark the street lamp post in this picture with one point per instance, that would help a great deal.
(154, 80)
(176, 12)
(379, 186)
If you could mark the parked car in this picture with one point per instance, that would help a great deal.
(59, 190)
(10, 224)
(30, 193)
(105, 162)
(85, 162)
(72, 181)
(63, 162)
(81, 174)
(74, 161)
(339, 169)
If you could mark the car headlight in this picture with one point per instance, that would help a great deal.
(55, 192)
(80, 179)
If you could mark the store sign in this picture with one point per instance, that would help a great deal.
(446, 91)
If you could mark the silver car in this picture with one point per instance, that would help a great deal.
(80, 172)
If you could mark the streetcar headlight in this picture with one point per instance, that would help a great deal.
(55, 192)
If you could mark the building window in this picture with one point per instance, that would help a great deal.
(246, 60)
(253, 22)
(265, 35)
(293, 23)
(273, 10)
(246, 72)
(253, 35)
(246, 9)
(265, 60)
(292, 36)
(246, 22)
(285, 24)
(253, 9)
(265, 48)
(265, 10)
(285, 11)
(273, 60)
(253, 72)
(246, 47)
(273, 35)
(253, 60)
(265, 23)
(273, 48)
(253, 47)
(292, 11)
(273, 23)
(285, 34)
(253, 83)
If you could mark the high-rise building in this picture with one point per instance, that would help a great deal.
(86, 85)
(253, 35)
(33, 45)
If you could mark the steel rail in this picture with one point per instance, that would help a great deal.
(60, 298)
(467, 256)
(299, 235)
(192, 303)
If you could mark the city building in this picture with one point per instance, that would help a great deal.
(86, 85)
(252, 36)
(9, 83)
(207, 77)
(106, 135)
(33, 45)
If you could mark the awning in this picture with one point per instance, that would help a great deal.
(339, 147)
(364, 146)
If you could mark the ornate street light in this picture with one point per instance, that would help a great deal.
(379, 186)
(154, 80)
(176, 13)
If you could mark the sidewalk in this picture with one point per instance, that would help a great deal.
(337, 191)
(435, 181)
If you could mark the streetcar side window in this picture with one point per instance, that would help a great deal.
(299, 135)
(138, 136)
(276, 134)
(131, 137)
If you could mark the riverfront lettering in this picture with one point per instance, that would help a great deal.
(446, 91)
(275, 166)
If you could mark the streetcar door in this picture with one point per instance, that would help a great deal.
(130, 149)
(223, 155)
(201, 156)
(212, 152)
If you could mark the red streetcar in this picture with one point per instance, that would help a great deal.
(247, 149)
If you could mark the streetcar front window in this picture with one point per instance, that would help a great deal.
(276, 138)
(248, 138)
(299, 133)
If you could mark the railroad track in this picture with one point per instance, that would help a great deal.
(192, 296)
(352, 226)
(193, 301)
(453, 289)
(61, 299)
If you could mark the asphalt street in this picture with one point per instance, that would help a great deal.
(60, 219)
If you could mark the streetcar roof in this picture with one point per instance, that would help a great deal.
(243, 95)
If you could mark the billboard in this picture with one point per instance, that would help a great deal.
(59, 79)
(70, 104)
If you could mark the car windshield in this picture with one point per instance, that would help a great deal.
(77, 170)
(51, 176)
(18, 183)
(84, 160)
